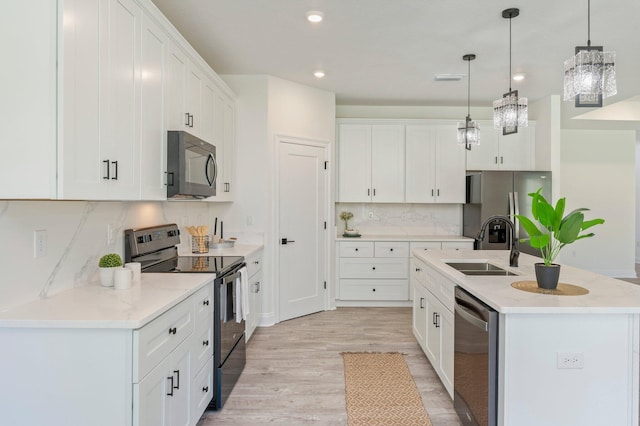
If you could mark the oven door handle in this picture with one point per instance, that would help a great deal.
(470, 317)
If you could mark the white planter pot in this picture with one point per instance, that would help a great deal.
(106, 276)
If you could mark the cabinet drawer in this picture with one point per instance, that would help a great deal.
(202, 346)
(254, 264)
(418, 270)
(201, 391)
(441, 288)
(374, 268)
(356, 249)
(391, 249)
(203, 305)
(155, 340)
(457, 245)
(374, 290)
(426, 245)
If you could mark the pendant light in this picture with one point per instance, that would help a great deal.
(510, 111)
(469, 132)
(590, 75)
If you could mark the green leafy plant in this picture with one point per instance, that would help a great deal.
(346, 216)
(110, 260)
(556, 230)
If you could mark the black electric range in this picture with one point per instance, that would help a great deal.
(155, 248)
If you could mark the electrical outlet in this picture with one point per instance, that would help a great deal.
(370, 215)
(39, 243)
(249, 220)
(570, 360)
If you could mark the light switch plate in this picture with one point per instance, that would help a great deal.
(39, 243)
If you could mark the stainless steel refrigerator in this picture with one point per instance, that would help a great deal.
(492, 193)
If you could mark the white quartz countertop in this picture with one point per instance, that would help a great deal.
(94, 306)
(409, 238)
(237, 250)
(606, 295)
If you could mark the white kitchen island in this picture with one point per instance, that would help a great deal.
(601, 327)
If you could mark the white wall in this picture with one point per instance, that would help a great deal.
(76, 239)
(267, 107)
(637, 197)
(598, 172)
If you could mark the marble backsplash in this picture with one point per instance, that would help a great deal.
(402, 219)
(77, 238)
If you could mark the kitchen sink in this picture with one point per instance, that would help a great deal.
(479, 268)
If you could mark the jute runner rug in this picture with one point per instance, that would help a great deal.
(380, 391)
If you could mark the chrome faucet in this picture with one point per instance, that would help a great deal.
(515, 251)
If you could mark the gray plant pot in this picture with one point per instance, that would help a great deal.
(547, 276)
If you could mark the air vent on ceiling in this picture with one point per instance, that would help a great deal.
(448, 77)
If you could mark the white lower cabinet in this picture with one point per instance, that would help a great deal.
(186, 331)
(433, 320)
(254, 269)
(379, 271)
(152, 376)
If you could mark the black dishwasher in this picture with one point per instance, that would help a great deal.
(475, 378)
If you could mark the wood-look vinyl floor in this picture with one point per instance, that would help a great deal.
(294, 373)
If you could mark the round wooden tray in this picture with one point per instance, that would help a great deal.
(562, 290)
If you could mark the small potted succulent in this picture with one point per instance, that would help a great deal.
(555, 232)
(107, 265)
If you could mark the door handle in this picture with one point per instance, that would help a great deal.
(286, 241)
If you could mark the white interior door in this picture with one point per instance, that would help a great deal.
(302, 235)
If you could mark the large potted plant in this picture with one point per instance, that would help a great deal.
(107, 265)
(555, 232)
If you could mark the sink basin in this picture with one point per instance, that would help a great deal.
(479, 268)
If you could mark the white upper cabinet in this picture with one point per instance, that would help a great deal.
(371, 163)
(503, 152)
(28, 107)
(224, 120)
(435, 164)
(90, 105)
(153, 97)
(100, 148)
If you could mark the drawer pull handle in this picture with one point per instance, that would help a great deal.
(374, 289)
(390, 249)
(422, 303)
(205, 343)
(356, 249)
(173, 330)
(418, 269)
(256, 262)
(170, 386)
(177, 373)
(205, 389)
(205, 302)
(374, 268)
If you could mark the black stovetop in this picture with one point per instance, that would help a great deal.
(205, 264)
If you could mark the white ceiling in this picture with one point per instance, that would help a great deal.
(387, 52)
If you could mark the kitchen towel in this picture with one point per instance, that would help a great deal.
(242, 295)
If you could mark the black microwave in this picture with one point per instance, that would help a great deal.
(191, 166)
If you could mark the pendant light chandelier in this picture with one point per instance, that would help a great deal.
(590, 75)
(510, 111)
(469, 131)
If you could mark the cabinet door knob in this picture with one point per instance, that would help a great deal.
(390, 249)
(374, 289)
(356, 249)
(374, 268)
(205, 302)
(418, 269)
(173, 330)
(205, 343)
(205, 389)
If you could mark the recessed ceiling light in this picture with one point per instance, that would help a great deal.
(319, 74)
(314, 16)
(518, 77)
(448, 77)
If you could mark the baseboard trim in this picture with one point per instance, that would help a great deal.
(373, 303)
